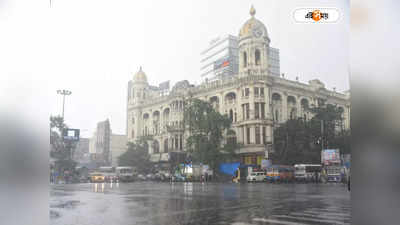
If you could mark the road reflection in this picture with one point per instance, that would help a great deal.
(101, 187)
(208, 203)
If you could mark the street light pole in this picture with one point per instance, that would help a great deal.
(322, 134)
(63, 93)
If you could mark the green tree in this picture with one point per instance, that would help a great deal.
(137, 155)
(206, 127)
(300, 141)
(59, 149)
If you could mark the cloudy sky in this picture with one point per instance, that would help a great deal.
(93, 47)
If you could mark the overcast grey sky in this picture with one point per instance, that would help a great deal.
(93, 47)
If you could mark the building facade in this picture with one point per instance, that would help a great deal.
(99, 144)
(256, 99)
(118, 146)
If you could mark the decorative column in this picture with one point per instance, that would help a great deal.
(284, 108)
(252, 134)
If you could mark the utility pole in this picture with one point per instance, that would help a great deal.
(63, 93)
(322, 134)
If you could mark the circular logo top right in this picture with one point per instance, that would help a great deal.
(316, 15)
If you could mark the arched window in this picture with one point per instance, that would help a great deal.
(156, 147)
(258, 57)
(244, 59)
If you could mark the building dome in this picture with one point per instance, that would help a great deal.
(253, 27)
(140, 76)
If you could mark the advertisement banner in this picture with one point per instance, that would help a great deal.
(330, 156)
(224, 62)
(265, 163)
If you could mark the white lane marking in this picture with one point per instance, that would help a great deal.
(310, 220)
(277, 221)
(322, 216)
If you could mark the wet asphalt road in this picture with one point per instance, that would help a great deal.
(196, 203)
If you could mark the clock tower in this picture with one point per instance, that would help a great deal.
(253, 47)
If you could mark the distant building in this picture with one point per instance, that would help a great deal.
(274, 62)
(221, 60)
(81, 153)
(99, 144)
(117, 147)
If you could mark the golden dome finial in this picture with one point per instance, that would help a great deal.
(252, 11)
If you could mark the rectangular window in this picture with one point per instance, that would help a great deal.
(262, 92)
(256, 91)
(176, 141)
(180, 142)
(243, 110)
(256, 110)
(247, 111)
(264, 135)
(263, 110)
(246, 92)
(248, 135)
(258, 135)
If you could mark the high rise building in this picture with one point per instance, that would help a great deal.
(117, 147)
(274, 62)
(220, 59)
(99, 144)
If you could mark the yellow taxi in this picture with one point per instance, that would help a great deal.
(97, 177)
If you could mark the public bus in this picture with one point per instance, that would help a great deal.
(307, 172)
(125, 173)
(280, 173)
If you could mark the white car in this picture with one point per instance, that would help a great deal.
(256, 177)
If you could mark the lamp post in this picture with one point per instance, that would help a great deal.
(63, 93)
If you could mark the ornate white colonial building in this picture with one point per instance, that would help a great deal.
(255, 101)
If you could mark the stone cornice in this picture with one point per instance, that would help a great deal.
(275, 82)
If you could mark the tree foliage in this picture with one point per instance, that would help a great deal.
(300, 141)
(60, 150)
(137, 155)
(206, 129)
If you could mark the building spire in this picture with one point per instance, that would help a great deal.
(252, 11)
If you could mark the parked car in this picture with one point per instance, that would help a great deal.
(141, 177)
(256, 177)
(97, 177)
(150, 176)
